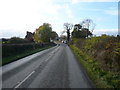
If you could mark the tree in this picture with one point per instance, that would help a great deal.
(83, 29)
(63, 37)
(80, 32)
(36, 37)
(68, 27)
(87, 23)
(76, 33)
(54, 35)
(86, 32)
(77, 27)
(16, 40)
(86, 27)
(43, 33)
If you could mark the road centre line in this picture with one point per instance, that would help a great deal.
(51, 54)
(25, 79)
(34, 71)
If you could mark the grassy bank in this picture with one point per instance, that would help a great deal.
(100, 57)
(100, 77)
(13, 57)
(104, 49)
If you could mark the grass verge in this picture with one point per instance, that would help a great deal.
(10, 59)
(100, 77)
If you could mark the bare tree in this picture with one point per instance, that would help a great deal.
(68, 27)
(93, 27)
(87, 23)
(62, 32)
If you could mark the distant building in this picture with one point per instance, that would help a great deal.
(29, 36)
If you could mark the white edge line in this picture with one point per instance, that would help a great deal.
(25, 79)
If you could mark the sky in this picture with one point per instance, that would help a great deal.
(19, 16)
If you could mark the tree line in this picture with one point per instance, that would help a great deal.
(44, 33)
(81, 30)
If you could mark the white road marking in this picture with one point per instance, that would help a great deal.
(25, 79)
(47, 58)
(50, 55)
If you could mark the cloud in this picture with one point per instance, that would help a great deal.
(78, 1)
(11, 33)
(69, 11)
(100, 19)
(19, 16)
(112, 12)
(27, 15)
(105, 31)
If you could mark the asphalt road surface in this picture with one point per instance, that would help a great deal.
(52, 68)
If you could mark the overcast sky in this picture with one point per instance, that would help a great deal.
(19, 16)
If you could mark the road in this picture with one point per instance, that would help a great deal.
(52, 68)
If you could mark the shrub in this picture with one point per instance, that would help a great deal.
(15, 49)
(105, 49)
